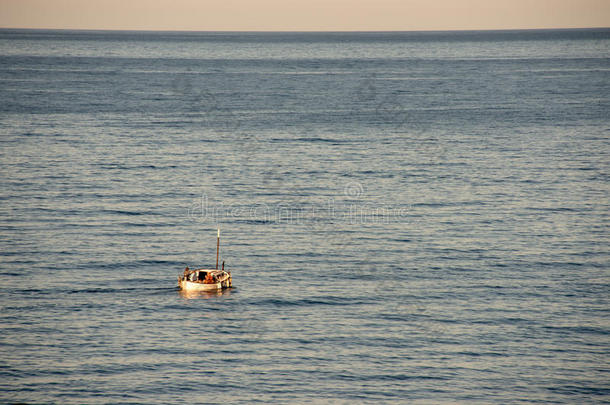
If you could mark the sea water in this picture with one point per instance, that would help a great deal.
(408, 217)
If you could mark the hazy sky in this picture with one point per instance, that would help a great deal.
(304, 15)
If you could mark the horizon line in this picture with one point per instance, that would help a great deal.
(304, 31)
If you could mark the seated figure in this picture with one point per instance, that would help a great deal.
(209, 279)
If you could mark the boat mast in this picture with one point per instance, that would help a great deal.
(217, 247)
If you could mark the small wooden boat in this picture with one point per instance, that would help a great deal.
(206, 279)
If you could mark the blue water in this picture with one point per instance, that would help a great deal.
(408, 217)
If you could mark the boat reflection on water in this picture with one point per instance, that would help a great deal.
(189, 295)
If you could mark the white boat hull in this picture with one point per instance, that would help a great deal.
(222, 278)
(194, 286)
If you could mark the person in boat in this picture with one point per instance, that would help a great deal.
(209, 279)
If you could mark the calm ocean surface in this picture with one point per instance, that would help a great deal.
(408, 217)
